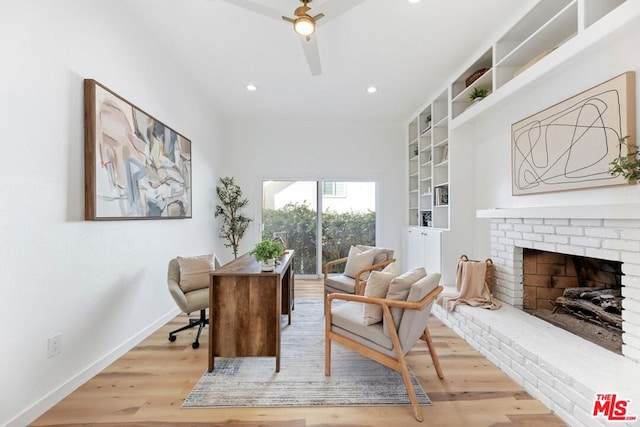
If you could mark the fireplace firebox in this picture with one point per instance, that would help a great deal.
(579, 294)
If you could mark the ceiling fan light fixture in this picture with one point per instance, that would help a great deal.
(304, 25)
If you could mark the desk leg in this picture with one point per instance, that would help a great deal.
(291, 292)
(212, 324)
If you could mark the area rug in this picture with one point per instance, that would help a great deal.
(253, 382)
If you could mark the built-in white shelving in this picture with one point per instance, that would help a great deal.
(535, 39)
(525, 48)
(428, 143)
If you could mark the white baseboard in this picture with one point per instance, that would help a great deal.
(40, 407)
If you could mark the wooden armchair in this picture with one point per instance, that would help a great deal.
(345, 284)
(344, 325)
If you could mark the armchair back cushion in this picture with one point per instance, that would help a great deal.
(357, 260)
(381, 254)
(194, 272)
(399, 290)
(377, 287)
(414, 322)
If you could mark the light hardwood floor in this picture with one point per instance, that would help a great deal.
(147, 386)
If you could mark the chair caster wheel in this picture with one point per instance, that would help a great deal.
(195, 345)
(172, 338)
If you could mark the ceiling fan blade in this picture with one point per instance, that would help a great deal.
(334, 8)
(257, 8)
(311, 52)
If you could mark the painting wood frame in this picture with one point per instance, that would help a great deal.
(135, 166)
(570, 145)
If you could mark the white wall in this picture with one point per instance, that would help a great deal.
(487, 136)
(368, 151)
(102, 285)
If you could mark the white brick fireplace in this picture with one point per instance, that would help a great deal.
(563, 371)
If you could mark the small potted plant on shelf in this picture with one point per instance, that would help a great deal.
(427, 123)
(267, 252)
(478, 93)
(628, 165)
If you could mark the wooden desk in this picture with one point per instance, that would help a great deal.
(245, 305)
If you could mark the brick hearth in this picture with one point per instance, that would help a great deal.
(562, 370)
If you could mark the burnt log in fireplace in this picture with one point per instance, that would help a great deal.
(579, 294)
(599, 305)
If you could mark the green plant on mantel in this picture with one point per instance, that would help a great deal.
(478, 92)
(267, 250)
(628, 165)
(234, 223)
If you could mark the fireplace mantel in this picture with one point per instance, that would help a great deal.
(620, 211)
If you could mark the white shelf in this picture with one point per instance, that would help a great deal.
(612, 16)
(442, 164)
(441, 143)
(537, 17)
(484, 81)
(459, 85)
(555, 32)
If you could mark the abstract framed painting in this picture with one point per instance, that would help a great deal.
(135, 166)
(570, 145)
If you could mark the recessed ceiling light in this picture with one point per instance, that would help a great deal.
(372, 89)
(251, 87)
(414, 1)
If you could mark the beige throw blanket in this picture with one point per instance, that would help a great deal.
(471, 286)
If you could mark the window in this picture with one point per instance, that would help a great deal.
(334, 189)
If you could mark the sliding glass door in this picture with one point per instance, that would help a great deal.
(336, 213)
(348, 218)
(290, 211)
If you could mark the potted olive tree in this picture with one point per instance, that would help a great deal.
(234, 222)
(267, 252)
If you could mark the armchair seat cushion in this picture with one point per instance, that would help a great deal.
(340, 283)
(348, 316)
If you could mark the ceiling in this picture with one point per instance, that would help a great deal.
(409, 51)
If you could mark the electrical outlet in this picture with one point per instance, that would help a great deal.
(54, 345)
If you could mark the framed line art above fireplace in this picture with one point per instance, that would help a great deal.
(570, 145)
(136, 167)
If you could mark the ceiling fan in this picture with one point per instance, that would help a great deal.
(304, 24)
